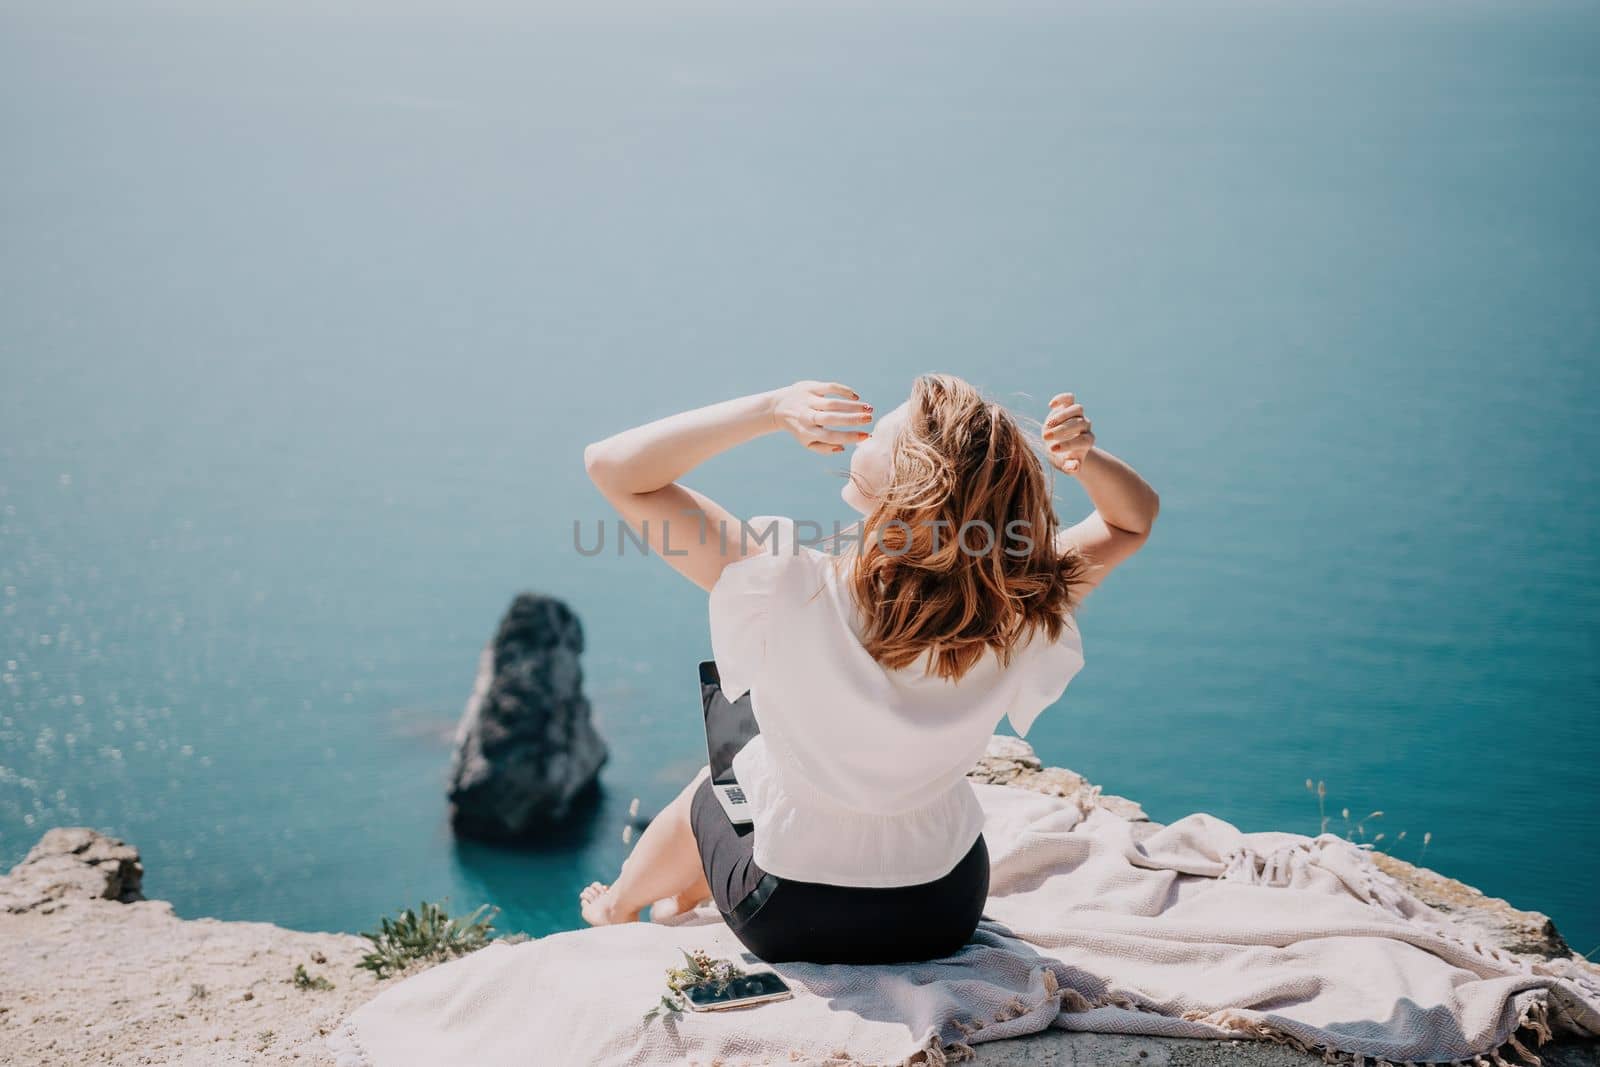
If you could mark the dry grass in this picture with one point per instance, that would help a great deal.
(1357, 831)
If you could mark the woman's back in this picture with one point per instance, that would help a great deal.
(878, 676)
(859, 774)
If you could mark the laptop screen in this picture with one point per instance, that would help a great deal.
(729, 725)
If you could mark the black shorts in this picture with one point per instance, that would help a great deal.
(785, 920)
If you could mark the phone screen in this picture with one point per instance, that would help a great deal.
(745, 987)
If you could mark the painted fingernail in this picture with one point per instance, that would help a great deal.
(862, 435)
(838, 448)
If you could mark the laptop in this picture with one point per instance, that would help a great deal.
(729, 727)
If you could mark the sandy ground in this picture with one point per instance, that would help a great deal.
(97, 981)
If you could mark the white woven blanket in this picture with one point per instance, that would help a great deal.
(1200, 931)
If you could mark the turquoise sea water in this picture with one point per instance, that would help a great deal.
(305, 320)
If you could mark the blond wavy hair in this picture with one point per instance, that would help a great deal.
(961, 463)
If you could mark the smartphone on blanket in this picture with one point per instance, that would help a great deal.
(756, 988)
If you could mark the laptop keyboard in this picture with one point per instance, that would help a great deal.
(735, 794)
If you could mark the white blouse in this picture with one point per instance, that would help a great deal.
(858, 776)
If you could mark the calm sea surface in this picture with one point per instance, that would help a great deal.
(305, 320)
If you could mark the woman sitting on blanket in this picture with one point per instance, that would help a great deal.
(878, 674)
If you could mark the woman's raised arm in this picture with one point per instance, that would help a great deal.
(1125, 506)
(637, 470)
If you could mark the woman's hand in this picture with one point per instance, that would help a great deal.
(806, 409)
(1067, 434)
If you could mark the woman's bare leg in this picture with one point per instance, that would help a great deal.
(687, 900)
(664, 866)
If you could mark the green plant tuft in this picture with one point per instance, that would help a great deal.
(303, 979)
(426, 933)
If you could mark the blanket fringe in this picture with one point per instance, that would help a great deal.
(941, 1054)
(1276, 868)
(1528, 1056)
(1069, 999)
(1510, 1052)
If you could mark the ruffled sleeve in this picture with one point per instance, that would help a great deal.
(741, 598)
(1046, 671)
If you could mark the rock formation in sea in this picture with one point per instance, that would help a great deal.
(526, 749)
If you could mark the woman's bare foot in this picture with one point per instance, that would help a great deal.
(667, 907)
(598, 907)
